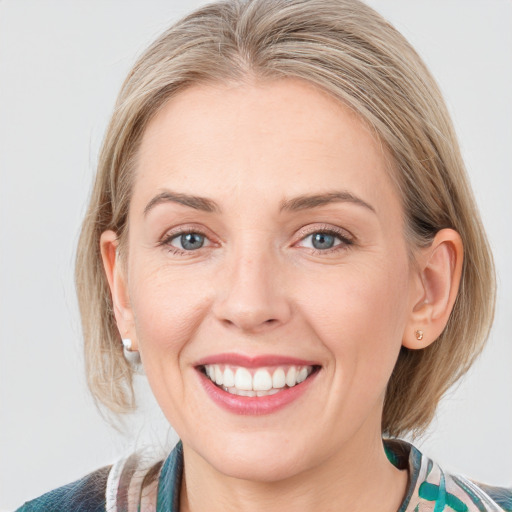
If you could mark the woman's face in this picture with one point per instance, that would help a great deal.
(265, 247)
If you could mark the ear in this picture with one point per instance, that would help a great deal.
(115, 271)
(436, 284)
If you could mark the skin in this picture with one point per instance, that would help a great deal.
(258, 286)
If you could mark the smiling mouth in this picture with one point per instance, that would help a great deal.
(257, 382)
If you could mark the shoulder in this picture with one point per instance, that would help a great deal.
(478, 497)
(84, 495)
(136, 482)
(130, 483)
(501, 495)
(432, 487)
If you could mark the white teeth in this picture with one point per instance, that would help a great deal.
(266, 393)
(242, 392)
(229, 378)
(246, 392)
(290, 376)
(243, 379)
(302, 376)
(279, 379)
(262, 382)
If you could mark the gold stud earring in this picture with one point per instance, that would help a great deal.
(419, 335)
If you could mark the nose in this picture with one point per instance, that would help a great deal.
(251, 293)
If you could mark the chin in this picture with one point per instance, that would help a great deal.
(267, 459)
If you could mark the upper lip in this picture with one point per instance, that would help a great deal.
(254, 361)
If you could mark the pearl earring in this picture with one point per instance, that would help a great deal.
(132, 356)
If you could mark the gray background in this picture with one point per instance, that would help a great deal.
(61, 65)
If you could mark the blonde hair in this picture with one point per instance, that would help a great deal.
(347, 49)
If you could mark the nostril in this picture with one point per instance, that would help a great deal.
(250, 324)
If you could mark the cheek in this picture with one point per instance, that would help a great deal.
(359, 313)
(168, 307)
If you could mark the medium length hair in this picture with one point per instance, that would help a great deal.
(347, 49)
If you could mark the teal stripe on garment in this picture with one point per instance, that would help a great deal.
(456, 504)
(437, 493)
(169, 483)
(441, 500)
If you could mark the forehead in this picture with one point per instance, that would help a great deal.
(244, 137)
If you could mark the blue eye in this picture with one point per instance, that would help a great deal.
(188, 241)
(325, 241)
(322, 240)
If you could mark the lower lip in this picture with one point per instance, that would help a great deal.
(257, 405)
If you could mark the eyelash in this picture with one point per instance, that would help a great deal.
(169, 237)
(341, 235)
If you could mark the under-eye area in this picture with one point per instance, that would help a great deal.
(257, 382)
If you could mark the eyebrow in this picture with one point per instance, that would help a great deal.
(303, 202)
(313, 201)
(197, 203)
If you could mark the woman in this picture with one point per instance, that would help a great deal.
(281, 227)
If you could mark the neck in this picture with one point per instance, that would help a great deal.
(358, 478)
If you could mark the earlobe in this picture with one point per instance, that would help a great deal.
(109, 245)
(439, 269)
